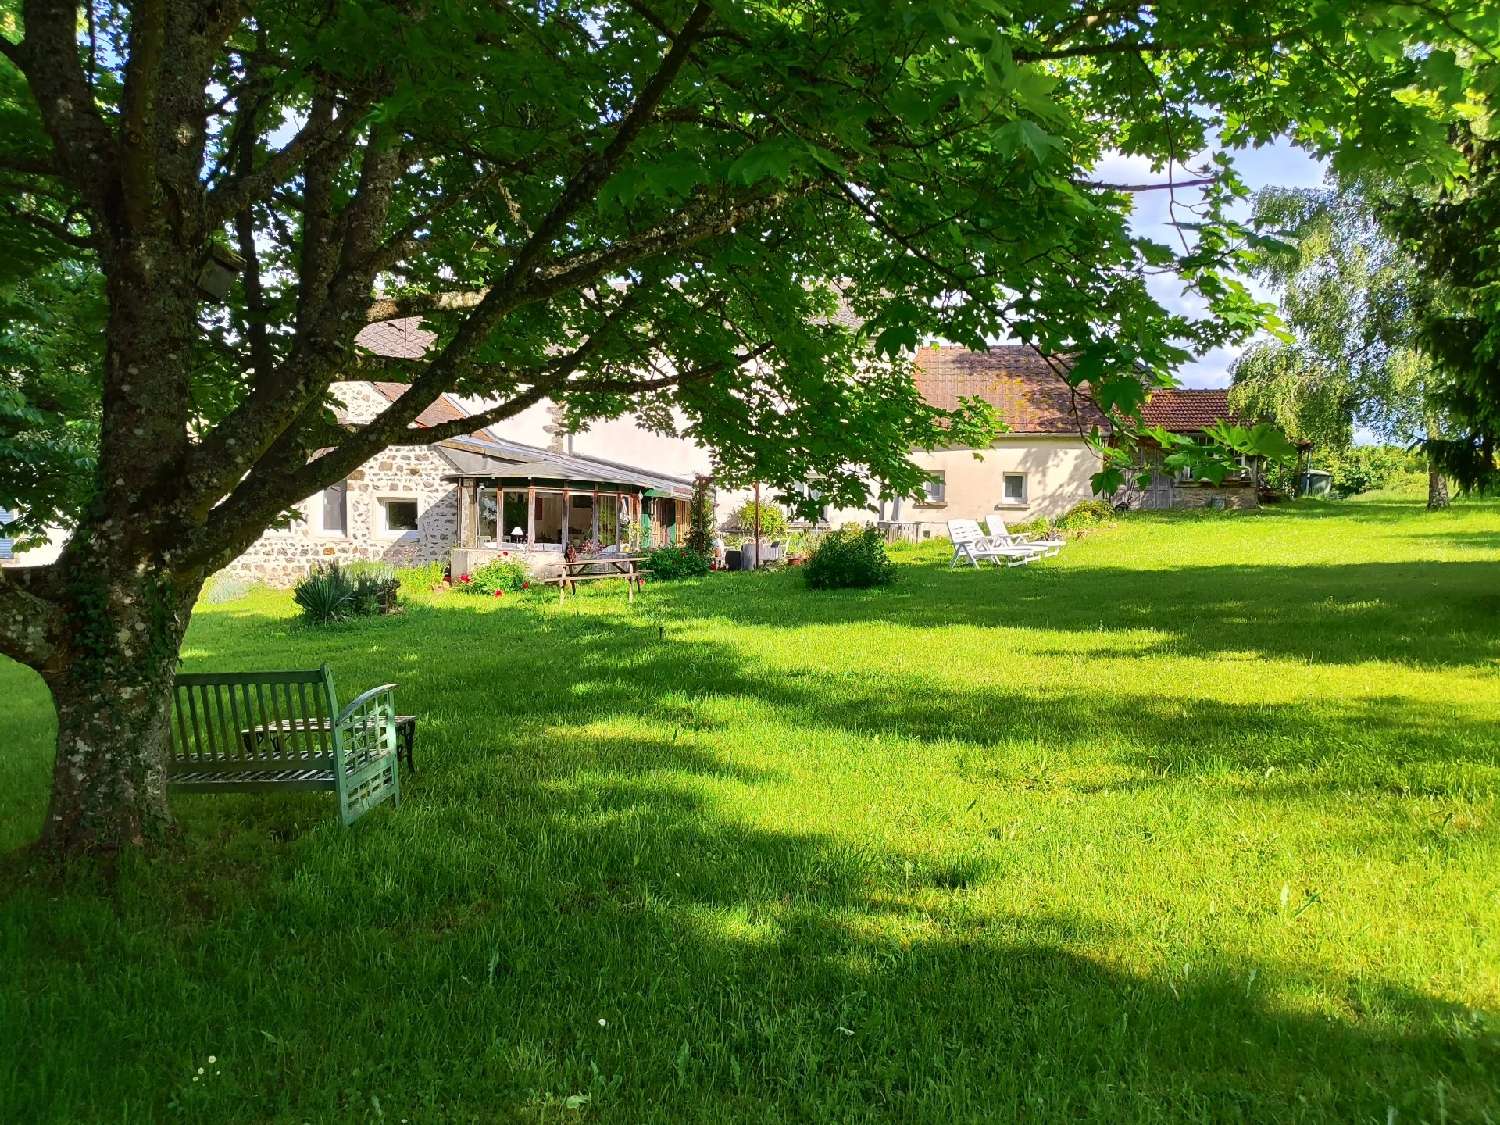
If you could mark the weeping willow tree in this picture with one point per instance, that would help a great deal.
(1353, 352)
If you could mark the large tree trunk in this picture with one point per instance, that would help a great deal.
(1437, 489)
(113, 695)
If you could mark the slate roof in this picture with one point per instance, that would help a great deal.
(1024, 386)
(1184, 410)
(471, 455)
(476, 454)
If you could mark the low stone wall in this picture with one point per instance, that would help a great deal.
(1237, 494)
(542, 564)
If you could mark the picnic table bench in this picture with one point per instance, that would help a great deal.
(624, 566)
(260, 731)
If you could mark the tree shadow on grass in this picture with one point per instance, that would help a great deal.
(593, 925)
(593, 682)
(553, 868)
(1422, 613)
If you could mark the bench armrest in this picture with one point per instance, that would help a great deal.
(364, 700)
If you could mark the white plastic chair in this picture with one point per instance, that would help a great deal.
(970, 545)
(1000, 537)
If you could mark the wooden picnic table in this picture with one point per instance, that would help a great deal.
(622, 566)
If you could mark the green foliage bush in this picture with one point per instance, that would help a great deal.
(1086, 514)
(667, 563)
(325, 595)
(375, 587)
(849, 557)
(495, 579)
(1361, 468)
(773, 523)
(333, 592)
(420, 578)
(700, 536)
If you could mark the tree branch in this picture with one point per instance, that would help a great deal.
(51, 227)
(29, 165)
(32, 625)
(1169, 186)
(148, 33)
(319, 131)
(1155, 47)
(82, 144)
(594, 171)
(417, 304)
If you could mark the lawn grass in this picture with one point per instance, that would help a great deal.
(1195, 822)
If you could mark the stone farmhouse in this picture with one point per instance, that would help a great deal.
(464, 502)
(528, 488)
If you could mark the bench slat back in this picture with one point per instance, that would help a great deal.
(246, 721)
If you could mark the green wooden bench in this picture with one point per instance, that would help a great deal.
(260, 731)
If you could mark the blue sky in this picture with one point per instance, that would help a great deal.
(1273, 165)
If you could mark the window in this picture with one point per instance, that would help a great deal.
(819, 513)
(489, 515)
(609, 520)
(935, 491)
(1013, 488)
(550, 520)
(513, 519)
(328, 511)
(397, 516)
(580, 519)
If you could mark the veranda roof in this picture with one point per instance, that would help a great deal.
(493, 458)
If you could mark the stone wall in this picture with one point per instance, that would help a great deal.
(282, 556)
(1239, 494)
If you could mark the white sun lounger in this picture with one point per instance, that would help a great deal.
(971, 545)
(1000, 537)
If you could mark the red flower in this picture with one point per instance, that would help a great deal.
(525, 585)
(499, 593)
(463, 578)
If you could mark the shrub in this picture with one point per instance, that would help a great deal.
(1085, 514)
(772, 520)
(667, 563)
(423, 577)
(801, 542)
(1041, 525)
(375, 587)
(700, 536)
(504, 576)
(332, 593)
(1361, 468)
(849, 557)
(325, 595)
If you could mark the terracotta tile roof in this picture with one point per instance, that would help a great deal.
(1188, 410)
(404, 338)
(442, 409)
(1016, 379)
